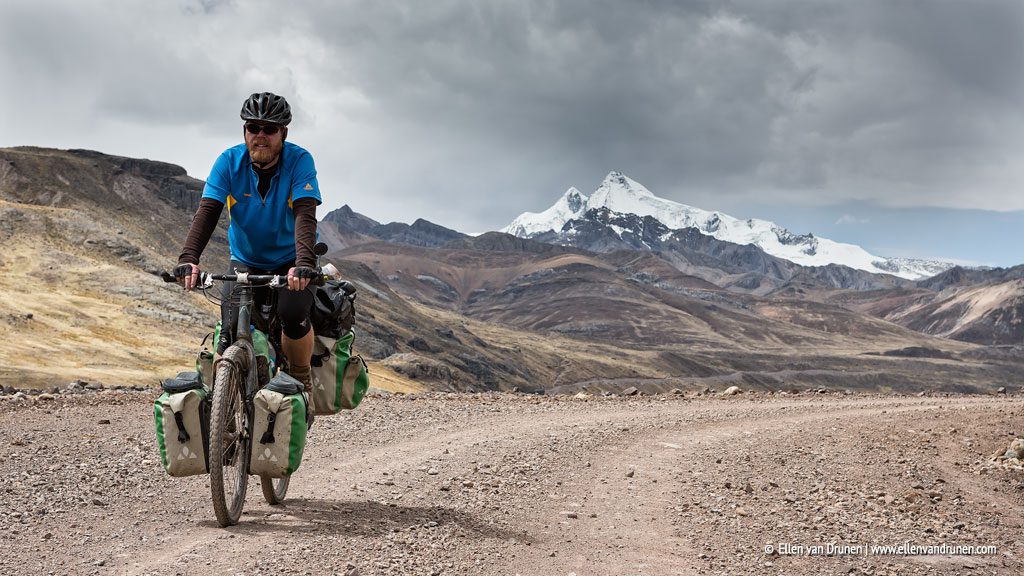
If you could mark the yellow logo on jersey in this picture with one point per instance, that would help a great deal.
(308, 186)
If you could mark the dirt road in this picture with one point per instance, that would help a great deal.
(507, 484)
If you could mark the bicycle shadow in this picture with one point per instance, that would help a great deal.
(368, 518)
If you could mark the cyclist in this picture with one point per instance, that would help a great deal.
(270, 189)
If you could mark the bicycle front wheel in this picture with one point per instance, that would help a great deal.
(230, 438)
(274, 489)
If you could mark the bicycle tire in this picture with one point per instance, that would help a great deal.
(230, 438)
(274, 489)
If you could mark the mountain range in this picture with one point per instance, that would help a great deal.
(631, 301)
(626, 210)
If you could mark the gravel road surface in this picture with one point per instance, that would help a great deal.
(514, 484)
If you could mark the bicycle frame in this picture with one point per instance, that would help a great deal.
(243, 337)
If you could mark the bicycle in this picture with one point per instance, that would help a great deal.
(238, 375)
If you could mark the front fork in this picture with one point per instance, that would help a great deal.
(249, 393)
(243, 337)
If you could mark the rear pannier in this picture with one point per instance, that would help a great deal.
(340, 378)
(182, 415)
(279, 428)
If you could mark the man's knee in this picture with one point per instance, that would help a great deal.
(295, 330)
(293, 309)
(294, 321)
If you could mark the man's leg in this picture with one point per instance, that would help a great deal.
(296, 333)
(299, 352)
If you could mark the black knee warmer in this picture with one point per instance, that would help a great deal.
(293, 309)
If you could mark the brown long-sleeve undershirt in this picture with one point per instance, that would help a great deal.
(305, 231)
(208, 214)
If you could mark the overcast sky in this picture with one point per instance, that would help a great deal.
(837, 118)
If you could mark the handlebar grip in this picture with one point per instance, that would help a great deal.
(168, 277)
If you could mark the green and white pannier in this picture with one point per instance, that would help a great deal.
(340, 378)
(279, 428)
(182, 415)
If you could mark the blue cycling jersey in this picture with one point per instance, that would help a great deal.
(262, 231)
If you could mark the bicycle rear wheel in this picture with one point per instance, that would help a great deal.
(274, 489)
(230, 438)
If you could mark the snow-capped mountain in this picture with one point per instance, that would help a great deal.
(571, 205)
(620, 194)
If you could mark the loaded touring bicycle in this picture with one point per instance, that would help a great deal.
(241, 414)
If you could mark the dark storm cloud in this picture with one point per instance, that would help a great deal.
(468, 113)
(906, 103)
(568, 92)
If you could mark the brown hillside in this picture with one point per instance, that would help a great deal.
(84, 234)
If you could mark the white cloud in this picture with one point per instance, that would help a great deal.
(850, 219)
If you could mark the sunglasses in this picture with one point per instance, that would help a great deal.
(268, 129)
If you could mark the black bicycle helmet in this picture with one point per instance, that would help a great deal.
(267, 107)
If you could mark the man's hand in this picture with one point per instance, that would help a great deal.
(187, 275)
(299, 277)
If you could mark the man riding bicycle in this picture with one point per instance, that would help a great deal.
(270, 189)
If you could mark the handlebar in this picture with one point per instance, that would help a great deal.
(206, 279)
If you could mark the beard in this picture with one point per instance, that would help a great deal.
(267, 154)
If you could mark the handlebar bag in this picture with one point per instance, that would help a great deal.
(340, 378)
(182, 416)
(279, 428)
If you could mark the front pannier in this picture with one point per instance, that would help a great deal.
(279, 428)
(182, 415)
